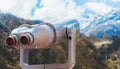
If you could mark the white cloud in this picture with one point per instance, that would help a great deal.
(99, 8)
(115, 0)
(21, 8)
(58, 9)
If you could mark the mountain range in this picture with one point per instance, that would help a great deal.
(101, 26)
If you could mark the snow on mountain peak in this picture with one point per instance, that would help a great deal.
(101, 25)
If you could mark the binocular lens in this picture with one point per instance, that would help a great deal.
(10, 41)
(25, 40)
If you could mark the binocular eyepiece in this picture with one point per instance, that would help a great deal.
(14, 40)
(11, 40)
(25, 40)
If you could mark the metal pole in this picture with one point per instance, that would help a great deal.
(118, 65)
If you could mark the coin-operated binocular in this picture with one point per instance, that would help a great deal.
(43, 36)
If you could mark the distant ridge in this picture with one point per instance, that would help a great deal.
(102, 26)
(5, 28)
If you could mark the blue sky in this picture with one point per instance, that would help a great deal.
(58, 9)
(80, 2)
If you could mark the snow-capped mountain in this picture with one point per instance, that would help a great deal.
(101, 26)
